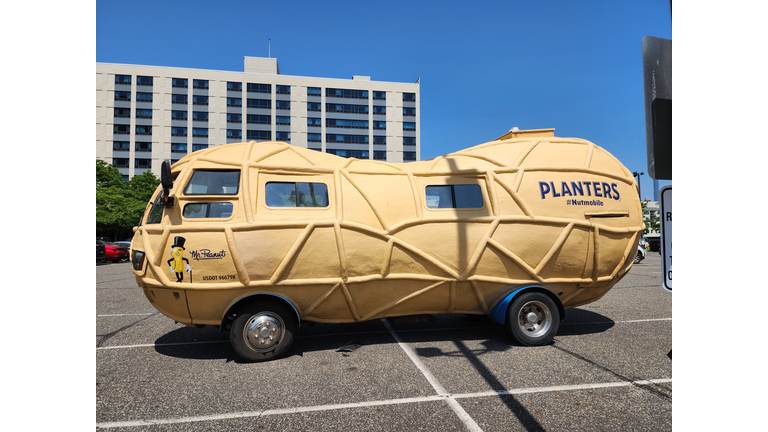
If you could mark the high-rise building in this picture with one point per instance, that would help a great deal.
(147, 114)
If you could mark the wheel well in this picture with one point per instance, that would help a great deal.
(499, 312)
(253, 300)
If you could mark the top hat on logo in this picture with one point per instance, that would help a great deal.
(178, 242)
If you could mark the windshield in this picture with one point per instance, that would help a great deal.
(156, 213)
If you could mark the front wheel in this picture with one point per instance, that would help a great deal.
(533, 319)
(263, 331)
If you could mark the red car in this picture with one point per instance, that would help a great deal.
(115, 253)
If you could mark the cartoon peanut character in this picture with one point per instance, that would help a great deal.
(176, 263)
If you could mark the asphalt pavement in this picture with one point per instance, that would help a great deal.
(606, 370)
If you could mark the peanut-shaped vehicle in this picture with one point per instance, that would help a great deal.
(258, 237)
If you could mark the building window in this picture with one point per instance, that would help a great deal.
(313, 91)
(259, 135)
(454, 196)
(142, 163)
(259, 88)
(283, 136)
(348, 124)
(314, 137)
(283, 105)
(143, 113)
(259, 119)
(409, 156)
(348, 94)
(260, 103)
(144, 80)
(122, 95)
(123, 79)
(120, 162)
(313, 106)
(358, 154)
(409, 97)
(234, 134)
(179, 82)
(379, 155)
(282, 120)
(121, 146)
(200, 132)
(346, 139)
(200, 84)
(314, 122)
(379, 95)
(234, 118)
(178, 148)
(409, 126)
(196, 147)
(234, 86)
(199, 100)
(380, 125)
(283, 89)
(409, 112)
(143, 97)
(121, 129)
(179, 131)
(143, 146)
(234, 102)
(409, 141)
(284, 194)
(200, 116)
(379, 139)
(123, 112)
(143, 130)
(381, 110)
(347, 109)
(179, 99)
(178, 115)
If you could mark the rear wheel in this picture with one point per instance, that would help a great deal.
(533, 319)
(263, 331)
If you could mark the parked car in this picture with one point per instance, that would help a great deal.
(640, 254)
(643, 242)
(101, 252)
(124, 243)
(115, 253)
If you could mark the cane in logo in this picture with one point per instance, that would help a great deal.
(178, 260)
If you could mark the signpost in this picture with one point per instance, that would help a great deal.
(666, 236)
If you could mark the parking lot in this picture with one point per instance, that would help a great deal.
(607, 369)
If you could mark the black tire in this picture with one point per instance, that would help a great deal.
(533, 319)
(638, 258)
(263, 331)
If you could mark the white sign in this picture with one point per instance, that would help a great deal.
(666, 236)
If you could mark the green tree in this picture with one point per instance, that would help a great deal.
(120, 203)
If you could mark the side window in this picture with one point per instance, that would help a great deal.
(156, 213)
(284, 194)
(208, 210)
(213, 182)
(454, 196)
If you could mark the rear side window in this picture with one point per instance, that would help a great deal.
(213, 182)
(208, 210)
(284, 194)
(454, 196)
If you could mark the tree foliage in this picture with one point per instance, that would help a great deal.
(120, 203)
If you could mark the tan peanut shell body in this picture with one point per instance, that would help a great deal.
(558, 213)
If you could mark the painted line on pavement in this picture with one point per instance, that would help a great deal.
(297, 410)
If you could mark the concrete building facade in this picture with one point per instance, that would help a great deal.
(147, 114)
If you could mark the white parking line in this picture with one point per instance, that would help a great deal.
(283, 411)
(116, 315)
(465, 418)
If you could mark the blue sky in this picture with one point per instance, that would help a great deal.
(485, 66)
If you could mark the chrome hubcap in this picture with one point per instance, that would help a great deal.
(535, 318)
(264, 331)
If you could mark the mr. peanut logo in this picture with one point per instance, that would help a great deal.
(177, 261)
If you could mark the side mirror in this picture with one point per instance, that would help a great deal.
(166, 179)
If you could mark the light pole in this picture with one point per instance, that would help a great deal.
(638, 174)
